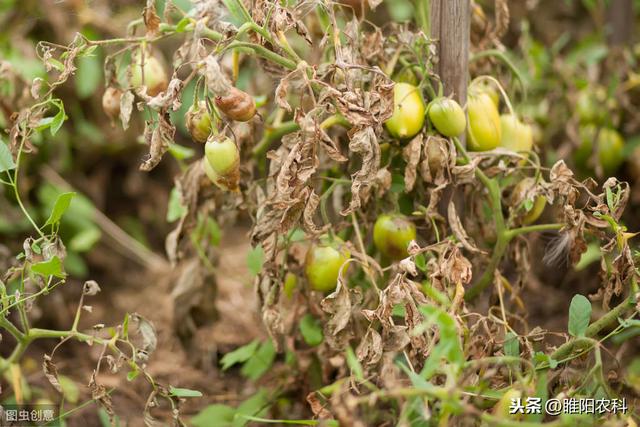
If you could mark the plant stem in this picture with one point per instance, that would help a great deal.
(36, 333)
(264, 52)
(11, 328)
(533, 228)
(594, 329)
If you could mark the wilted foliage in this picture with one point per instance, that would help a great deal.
(399, 239)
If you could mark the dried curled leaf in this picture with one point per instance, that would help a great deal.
(158, 136)
(364, 142)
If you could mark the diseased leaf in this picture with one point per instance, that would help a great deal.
(126, 107)
(51, 372)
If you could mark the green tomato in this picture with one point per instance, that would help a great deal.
(609, 144)
(484, 132)
(516, 136)
(590, 106)
(406, 75)
(222, 155)
(392, 235)
(488, 88)
(447, 116)
(502, 411)
(323, 263)
(147, 70)
(199, 122)
(408, 111)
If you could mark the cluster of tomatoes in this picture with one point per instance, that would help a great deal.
(485, 128)
(221, 162)
(596, 135)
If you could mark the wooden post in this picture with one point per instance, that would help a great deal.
(620, 22)
(450, 23)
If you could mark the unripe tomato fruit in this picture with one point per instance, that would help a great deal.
(147, 70)
(406, 75)
(392, 235)
(610, 146)
(539, 203)
(111, 102)
(408, 111)
(516, 135)
(590, 106)
(237, 105)
(198, 122)
(491, 91)
(502, 410)
(323, 263)
(484, 130)
(222, 163)
(447, 116)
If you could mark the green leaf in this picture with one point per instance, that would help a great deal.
(88, 76)
(69, 389)
(85, 239)
(213, 231)
(58, 120)
(354, 364)
(238, 12)
(579, 315)
(239, 355)
(59, 208)
(183, 392)
(6, 159)
(260, 362)
(255, 259)
(176, 209)
(311, 330)
(214, 416)
(132, 374)
(52, 267)
(511, 345)
(541, 358)
(448, 350)
(421, 262)
(255, 406)
(180, 152)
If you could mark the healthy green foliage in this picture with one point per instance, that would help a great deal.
(579, 315)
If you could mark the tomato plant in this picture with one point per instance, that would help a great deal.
(264, 176)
